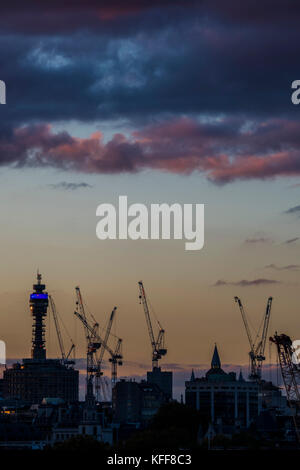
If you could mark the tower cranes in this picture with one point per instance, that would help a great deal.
(95, 345)
(93, 342)
(64, 357)
(115, 354)
(158, 346)
(257, 347)
(101, 353)
(290, 375)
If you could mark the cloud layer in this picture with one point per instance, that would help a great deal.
(64, 185)
(186, 86)
(288, 267)
(247, 283)
(293, 210)
(255, 240)
(224, 151)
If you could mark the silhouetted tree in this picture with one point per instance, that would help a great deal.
(174, 426)
(178, 415)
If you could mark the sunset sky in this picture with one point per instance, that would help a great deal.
(162, 101)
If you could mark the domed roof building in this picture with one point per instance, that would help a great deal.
(221, 397)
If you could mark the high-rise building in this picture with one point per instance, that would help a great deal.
(136, 402)
(163, 379)
(37, 378)
(126, 401)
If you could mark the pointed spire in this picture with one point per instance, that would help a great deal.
(241, 378)
(215, 362)
(192, 376)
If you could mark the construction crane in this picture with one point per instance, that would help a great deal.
(157, 345)
(115, 355)
(257, 347)
(290, 375)
(116, 359)
(93, 342)
(99, 385)
(64, 357)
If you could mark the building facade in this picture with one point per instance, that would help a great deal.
(163, 379)
(126, 402)
(136, 402)
(31, 381)
(221, 397)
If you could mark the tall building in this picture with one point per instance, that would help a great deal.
(163, 379)
(126, 401)
(152, 399)
(38, 305)
(136, 402)
(222, 398)
(37, 378)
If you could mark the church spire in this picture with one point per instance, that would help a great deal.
(215, 362)
(192, 376)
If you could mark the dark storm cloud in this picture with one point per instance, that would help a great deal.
(72, 15)
(246, 283)
(92, 14)
(89, 74)
(200, 86)
(69, 186)
(250, 12)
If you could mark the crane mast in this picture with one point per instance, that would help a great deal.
(64, 356)
(116, 359)
(290, 375)
(260, 349)
(158, 348)
(115, 355)
(107, 333)
(93, 344)
(103, 348)
(257, 350)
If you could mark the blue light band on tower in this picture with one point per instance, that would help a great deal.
(39, 296)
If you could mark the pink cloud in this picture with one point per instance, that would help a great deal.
(225, 150)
